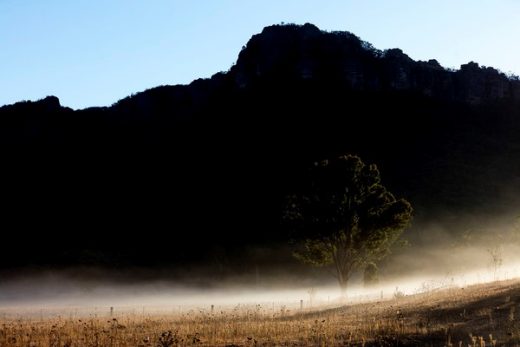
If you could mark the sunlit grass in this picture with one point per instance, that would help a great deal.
(480, 315)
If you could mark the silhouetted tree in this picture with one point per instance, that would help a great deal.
(345, 217)
(496, 259)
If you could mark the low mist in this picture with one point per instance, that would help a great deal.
(439, 258)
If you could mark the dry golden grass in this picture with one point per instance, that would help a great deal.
(481, 315)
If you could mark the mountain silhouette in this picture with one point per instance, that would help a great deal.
(174, 172)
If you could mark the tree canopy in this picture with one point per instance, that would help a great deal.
(345, 217)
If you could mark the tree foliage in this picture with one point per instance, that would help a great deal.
(345, 217)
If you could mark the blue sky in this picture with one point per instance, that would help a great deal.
(94, 52)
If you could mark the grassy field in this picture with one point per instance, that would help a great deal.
(479, 315)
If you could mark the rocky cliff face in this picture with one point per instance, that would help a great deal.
(305, 52)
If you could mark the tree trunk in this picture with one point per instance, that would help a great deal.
(343, 276)
(343, 287)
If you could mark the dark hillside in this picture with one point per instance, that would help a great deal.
(173, 173)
